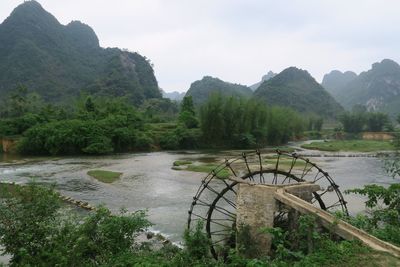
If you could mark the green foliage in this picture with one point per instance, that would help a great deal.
(181, 138)
(306, 246)
(376, 121)
(246, 123)
(351, 145)
(26, 222)
(187, 115)
(353, 122)
(197, 243)
(35, 233)
(315, 123)
(101, 126)
(105, 176)
(383, 219)
(159, 110)
(246, 245)
(181, 162)
(187, 105)
(357, 121)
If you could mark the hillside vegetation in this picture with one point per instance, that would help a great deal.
(202, 89)
(296, 88)
(58, 62)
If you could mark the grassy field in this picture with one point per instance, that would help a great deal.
(350, 145)
(105, 176)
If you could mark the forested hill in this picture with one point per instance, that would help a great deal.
(202, 89)
(378, 88)
(296, 88)
(264, 78)
(58, 61)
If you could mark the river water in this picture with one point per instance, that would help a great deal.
(148, 182)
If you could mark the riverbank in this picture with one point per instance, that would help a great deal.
(350, 146)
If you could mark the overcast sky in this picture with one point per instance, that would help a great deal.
(239, 41)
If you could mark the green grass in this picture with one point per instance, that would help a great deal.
(182, 162)
(286, 149)
(350, 145)
(8, 190)
(205, 168)
(105, 176)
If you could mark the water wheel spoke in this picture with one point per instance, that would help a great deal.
(221, 240)
(224, 219)
(220, 224)
(228, 164)
(275, 180)
(198, 216)
(308, 170)
(336, 204)
(221, 231)
(225, 212)
(251, 178)
(262, 179)
(230, 186)
(316, 176)
(323, 193)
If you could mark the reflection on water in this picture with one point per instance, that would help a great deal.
(148, 182)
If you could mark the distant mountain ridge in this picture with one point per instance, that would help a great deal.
(336, 81)
(175, 95)
(297, 89)
(264, 78)
(378, 88)
(58, 62)
(202, 89)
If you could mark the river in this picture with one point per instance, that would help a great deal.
(148, 182)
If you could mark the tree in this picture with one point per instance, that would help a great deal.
(376, 121)
(187, 105)
(352, 122)
(187, 115)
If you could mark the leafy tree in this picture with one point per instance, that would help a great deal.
(187, 105)
(315, 123)
(159, 109)
(19, 102)
(376, 121)
(187, 115)
(352, 122)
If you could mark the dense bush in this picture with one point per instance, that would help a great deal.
(35, 232)
(247, 123)
(181, 138)
(99, 126)
(357, 121)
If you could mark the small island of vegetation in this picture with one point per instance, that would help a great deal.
(105, 176)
